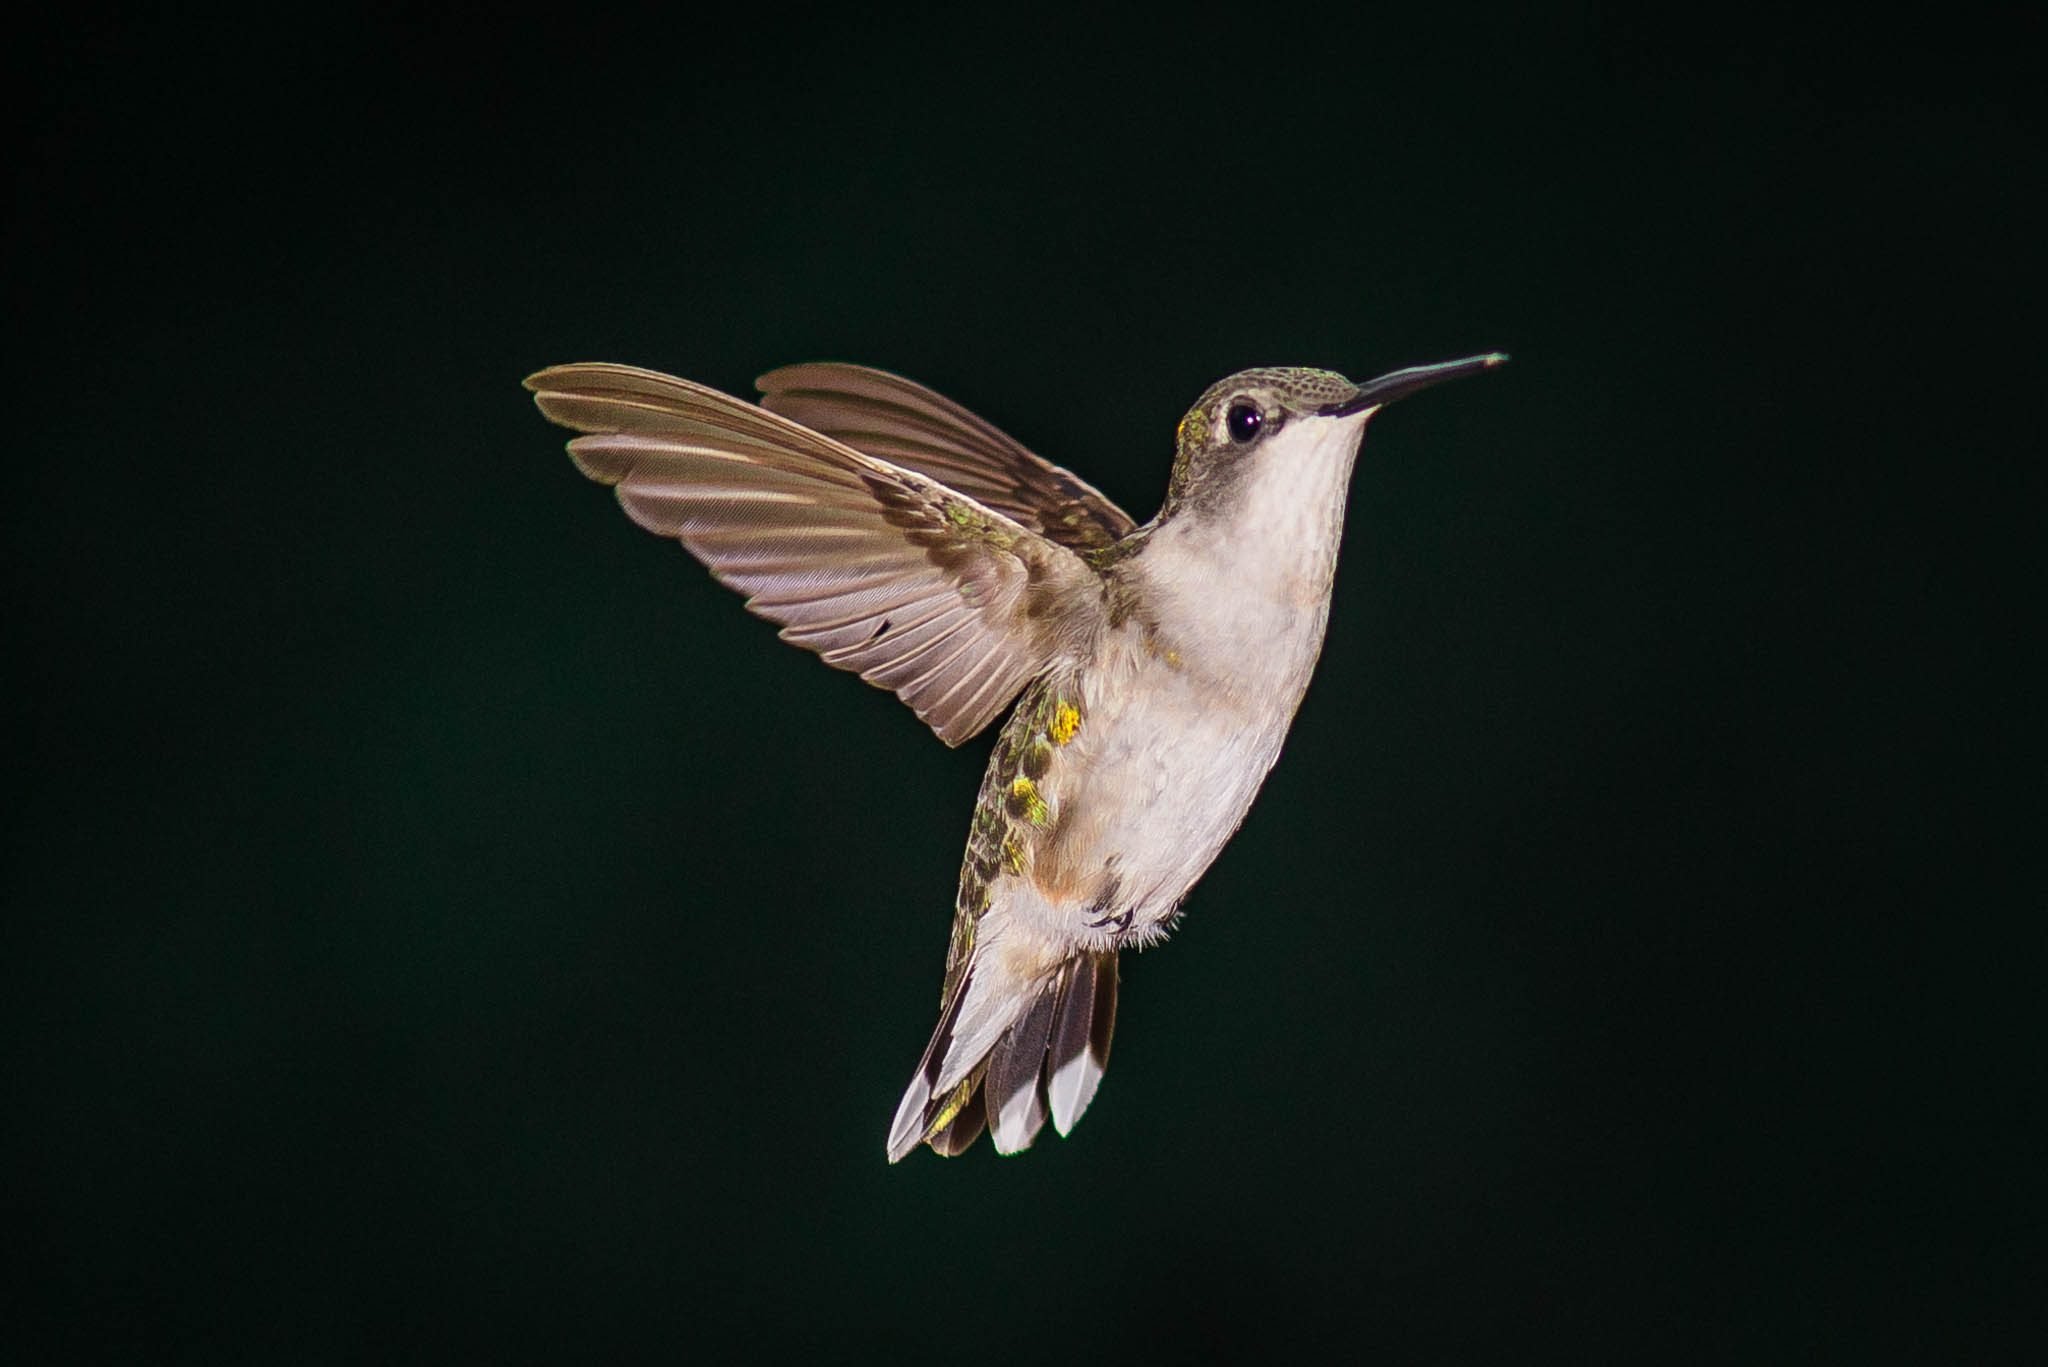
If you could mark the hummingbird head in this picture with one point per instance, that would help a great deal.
(1277, 417)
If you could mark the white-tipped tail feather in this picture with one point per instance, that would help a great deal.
(1012, 1094)
(1047, 1060)
(1079, 1049)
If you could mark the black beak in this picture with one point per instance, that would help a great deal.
(1401, 383)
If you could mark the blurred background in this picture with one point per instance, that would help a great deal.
(440, 919)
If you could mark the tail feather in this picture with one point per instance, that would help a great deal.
(919, 1110)
(1079, 1050)
(1048, 1060)
(954, 1137)
(1016, 1091)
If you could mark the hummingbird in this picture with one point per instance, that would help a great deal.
(1150, 672)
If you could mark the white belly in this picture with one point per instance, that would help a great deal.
(1172, 761)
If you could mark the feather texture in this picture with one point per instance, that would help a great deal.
(1079, 1049)
(957, 1136)
(1047, 1061)
(884, 571)
(906, 424)
(1014, 1092)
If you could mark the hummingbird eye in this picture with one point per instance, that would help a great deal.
(1244, 421)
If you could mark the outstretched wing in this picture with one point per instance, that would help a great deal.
(915, 587)
(906, 424)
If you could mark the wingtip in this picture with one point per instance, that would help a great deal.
(550, 376)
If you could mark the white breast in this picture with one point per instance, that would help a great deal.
(1189, 702)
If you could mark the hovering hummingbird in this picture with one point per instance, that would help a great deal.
(905, 539)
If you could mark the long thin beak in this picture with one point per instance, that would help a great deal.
(1401, 383)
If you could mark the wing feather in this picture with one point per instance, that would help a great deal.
(902, 422)
(883, 570)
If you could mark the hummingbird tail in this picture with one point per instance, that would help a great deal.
(1048, 1060)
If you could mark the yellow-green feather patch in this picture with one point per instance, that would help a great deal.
(1066, 720)
(955, 1099)
(1026, 804)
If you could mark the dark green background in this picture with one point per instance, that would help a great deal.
(441, 920)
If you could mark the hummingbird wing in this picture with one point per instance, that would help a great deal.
(906, 424)
(917, 588)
